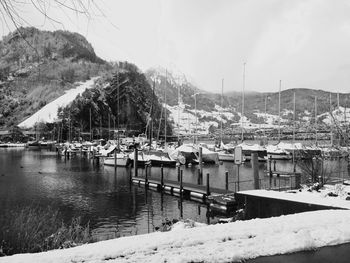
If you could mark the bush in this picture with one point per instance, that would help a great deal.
(35, 229)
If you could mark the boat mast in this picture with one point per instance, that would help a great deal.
(338, 109)
(222, 93)
(331, 116)
(279, 112)
(118, 145)
(195, 112)
(265, 116)
(165, 115)
(243, 87)
(90, 125)
(316, 119)
(109, 126)
(338, 99)
(294, 132)
(178, 112)
(160, 122)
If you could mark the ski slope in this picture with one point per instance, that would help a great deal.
(49, 112)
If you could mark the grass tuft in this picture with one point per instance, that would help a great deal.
(37, 229)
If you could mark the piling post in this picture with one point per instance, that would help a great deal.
(181, 182)
(274, 165)
(135, 161)
(178, 173)
(162, 176)
(130, 175)
(208, 187)
(115, 159)
(238, 177)
(146, 175)
(199, 176)
(201, 160)
(226, 180)
(255, 165)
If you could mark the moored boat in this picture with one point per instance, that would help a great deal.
(121, 159)
(159, 158)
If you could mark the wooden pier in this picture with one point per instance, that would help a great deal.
(187, 189)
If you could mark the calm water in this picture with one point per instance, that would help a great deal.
(114, 207)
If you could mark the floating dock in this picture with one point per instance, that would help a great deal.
(173, 187)
(218, 199)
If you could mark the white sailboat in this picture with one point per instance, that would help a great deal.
(116, 157)
(276, 152)
(224, 153)
(121, 159)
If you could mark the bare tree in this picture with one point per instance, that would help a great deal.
(342, 131)
(12, 11)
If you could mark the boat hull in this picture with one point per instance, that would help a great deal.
(224, 157)
(276, 156)
(120, 161)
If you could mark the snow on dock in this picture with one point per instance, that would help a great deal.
(49, 112)
(331, 196)
(231, 242)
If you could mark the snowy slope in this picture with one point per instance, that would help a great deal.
(230, 242)
(49, 112)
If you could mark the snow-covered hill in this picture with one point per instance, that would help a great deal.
(49, 112)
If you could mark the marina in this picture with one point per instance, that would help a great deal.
(191, 131)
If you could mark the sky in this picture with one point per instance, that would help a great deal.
(304, 43)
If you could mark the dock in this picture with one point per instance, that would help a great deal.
(218, 200)
(188, 189)
(267, 203)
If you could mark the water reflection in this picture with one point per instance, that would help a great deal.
(105, 197)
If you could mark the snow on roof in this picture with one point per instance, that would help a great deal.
(229, 242)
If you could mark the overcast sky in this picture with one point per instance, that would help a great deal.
(305, 43)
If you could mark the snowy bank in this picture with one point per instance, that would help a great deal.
(49, 112)
(214, 243)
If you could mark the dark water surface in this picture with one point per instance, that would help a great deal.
(113, 206)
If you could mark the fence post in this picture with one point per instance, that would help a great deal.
(226, 180)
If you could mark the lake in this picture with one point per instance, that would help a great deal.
(113, 206)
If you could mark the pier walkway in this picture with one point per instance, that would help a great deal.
(188, 189)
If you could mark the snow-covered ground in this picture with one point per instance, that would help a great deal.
(229, 242)
(49, 112)
(186, 120)
(340, 116)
